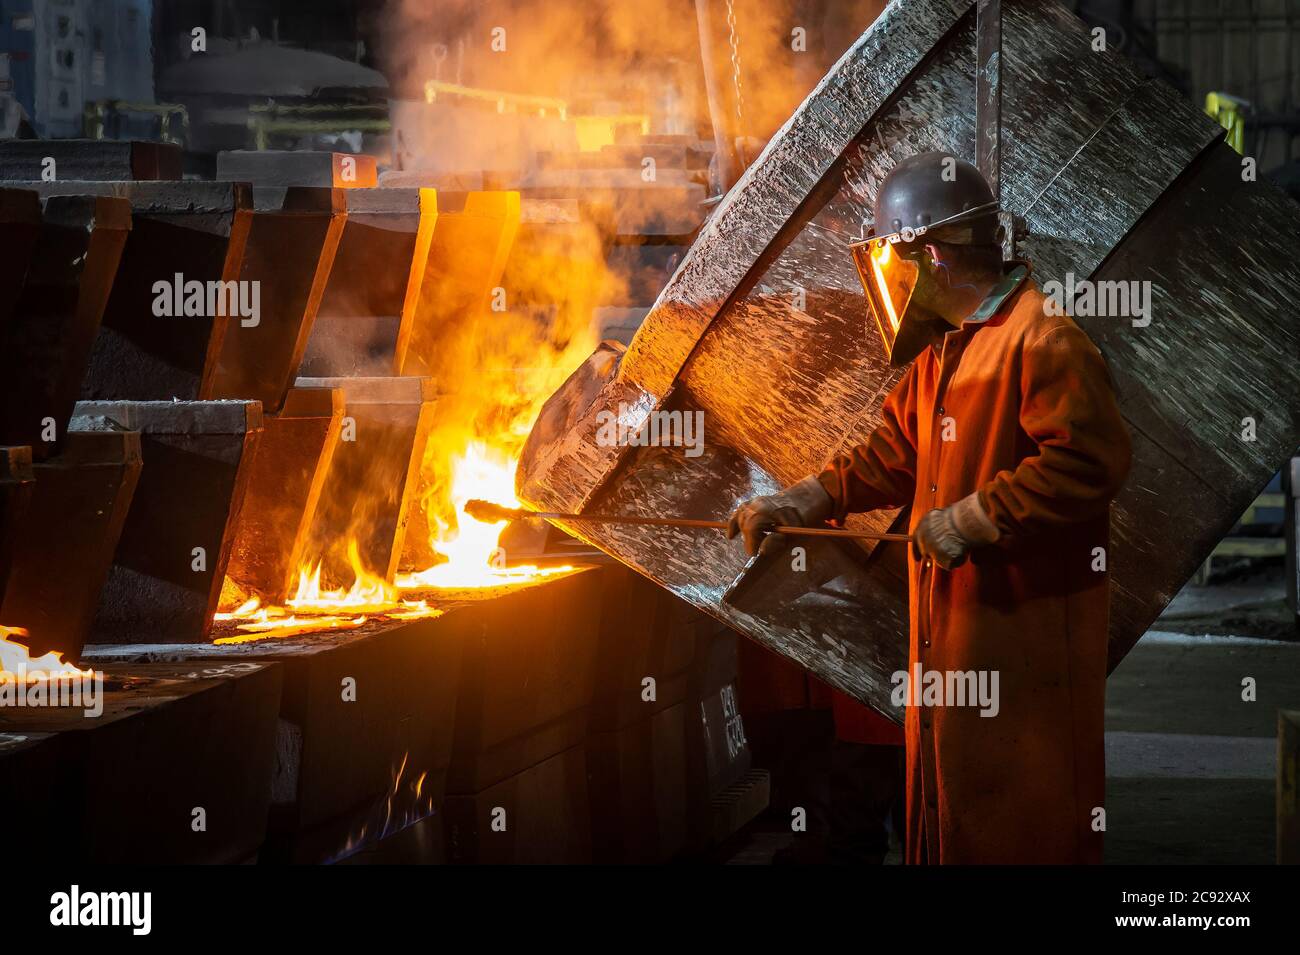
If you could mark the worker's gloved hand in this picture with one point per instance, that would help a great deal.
(947, 534)
(805, 504)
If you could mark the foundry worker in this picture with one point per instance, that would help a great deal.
(1005, 438)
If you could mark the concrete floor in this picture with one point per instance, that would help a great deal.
(1190, 765)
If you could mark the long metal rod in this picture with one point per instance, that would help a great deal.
(715, 525)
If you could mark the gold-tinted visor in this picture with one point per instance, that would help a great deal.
(889, 279)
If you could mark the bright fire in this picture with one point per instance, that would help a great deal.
(506, 367)
(15, 656)
(471, 547)
(472, 560)
(368, 593)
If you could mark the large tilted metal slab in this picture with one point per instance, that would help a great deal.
(763, 328)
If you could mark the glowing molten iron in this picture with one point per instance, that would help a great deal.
(14, 657)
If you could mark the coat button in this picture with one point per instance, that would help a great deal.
(933, 488)
(927, 643)
(926, 563)
(940, 411)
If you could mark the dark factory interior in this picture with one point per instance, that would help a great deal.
(536, 431)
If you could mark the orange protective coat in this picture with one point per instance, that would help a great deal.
(1033, 425)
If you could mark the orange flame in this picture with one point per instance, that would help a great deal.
(474, 558)
(15, 656)
(313, 608)
(404, 805)
(367, 593)
(507, 366)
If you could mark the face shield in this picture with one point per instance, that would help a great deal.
(889, 279)
(892, 270)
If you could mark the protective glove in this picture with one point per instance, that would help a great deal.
(805, 504)
(947, 534)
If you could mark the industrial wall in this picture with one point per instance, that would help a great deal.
(1242, 47)
(61, 54)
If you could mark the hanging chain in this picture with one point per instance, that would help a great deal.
(735, 65)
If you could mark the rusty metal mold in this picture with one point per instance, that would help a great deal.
(527, 678)
(340, 755)
(546, 810)
(171, 558)
(123, 788)
(69, 533)
(371, 483)
(94, 160)
(659, 769)
(375, 285)
(287, 260)
(45, 343)
(273, 167)
(16, 484)
(465, 262)
(286, 476)
(187, 235)
(20, 222)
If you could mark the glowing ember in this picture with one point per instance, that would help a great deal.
(414, 610)
(14, 656)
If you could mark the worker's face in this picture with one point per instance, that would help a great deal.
(898, 278)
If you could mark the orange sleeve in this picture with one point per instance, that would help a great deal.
(882, 471)
(1068, 407)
